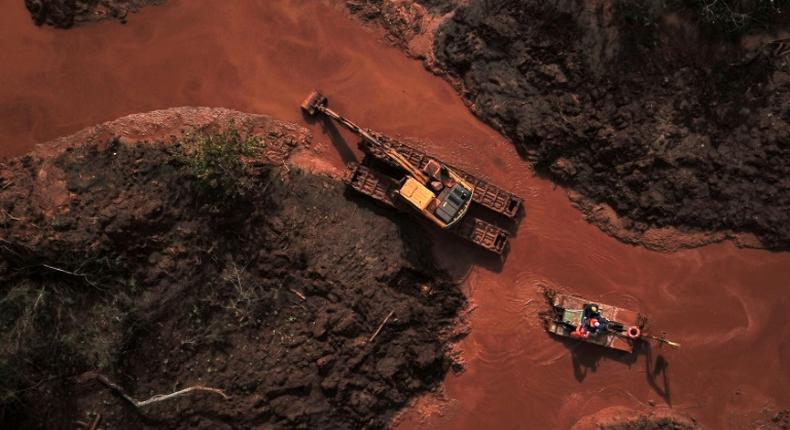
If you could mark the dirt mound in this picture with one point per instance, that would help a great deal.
(68, 13)
(770, 419)
(642, 108)
(664, 239)
(620, 418)
(767, 417)
(116, 259)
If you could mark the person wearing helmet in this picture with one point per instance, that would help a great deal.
(592, 320)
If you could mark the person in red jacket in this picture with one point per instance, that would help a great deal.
(591, 322)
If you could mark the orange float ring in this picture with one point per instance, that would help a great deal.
(633, 332)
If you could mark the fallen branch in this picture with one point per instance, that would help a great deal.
(9, 216)
(96, 422)
(159, 397)
(38, 299)
(4, 242)
(381, 326)
(179, 393)
(79, 275)
(298, 294)
(58, 269)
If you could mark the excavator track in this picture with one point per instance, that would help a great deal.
(370, 183)
(486, 194)
(380, 187)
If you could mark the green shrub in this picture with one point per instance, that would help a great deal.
(736, 17)
(217, 160)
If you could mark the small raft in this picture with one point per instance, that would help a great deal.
(623, 327)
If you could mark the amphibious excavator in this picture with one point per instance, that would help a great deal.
(402, 177)
(605, 325)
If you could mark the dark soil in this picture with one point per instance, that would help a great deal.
(644, 108)
(643, 423)
(146, 276)
(68, 13)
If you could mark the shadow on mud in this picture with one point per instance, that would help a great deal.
(586, 357)
(330, 129)
(455, 255)
(658, 374)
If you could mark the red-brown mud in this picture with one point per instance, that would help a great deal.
(727, 306)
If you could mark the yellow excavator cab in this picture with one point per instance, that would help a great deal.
(417, 194)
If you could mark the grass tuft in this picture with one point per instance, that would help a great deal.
(217, 160)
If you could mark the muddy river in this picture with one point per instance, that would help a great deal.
(727, 306)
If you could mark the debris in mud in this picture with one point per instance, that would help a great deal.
(620, 418)
(68, 13)
(777, 420)
(115, 258)
(644, 108)
(767, 417)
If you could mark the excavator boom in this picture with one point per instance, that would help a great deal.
(316, 102)
(406, 179)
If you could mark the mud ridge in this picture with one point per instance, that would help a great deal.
(642, 108)
(115, 259)
(621, 418)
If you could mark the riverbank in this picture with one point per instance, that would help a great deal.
(614, 101)
(67, 14)
(305, 308)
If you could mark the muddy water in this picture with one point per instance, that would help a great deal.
(727, 306)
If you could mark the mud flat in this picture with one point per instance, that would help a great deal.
(669, 120)
(114, 260)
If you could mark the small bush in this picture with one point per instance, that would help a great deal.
(728, 18)
(217, 160)
(737, 17)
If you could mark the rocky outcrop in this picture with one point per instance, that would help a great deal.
(68, 13)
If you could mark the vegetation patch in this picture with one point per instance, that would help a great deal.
(220, 160)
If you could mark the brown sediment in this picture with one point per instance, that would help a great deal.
(727, 306)
(307, 308)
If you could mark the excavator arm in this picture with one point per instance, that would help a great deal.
(438, 193)
(316, 103)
